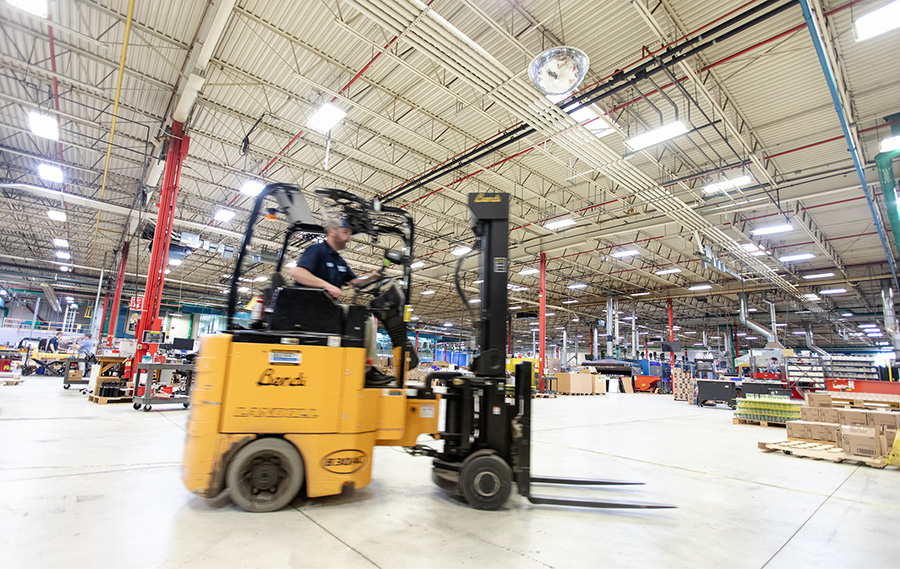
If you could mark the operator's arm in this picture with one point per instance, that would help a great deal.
(306, 278)
(359, 281)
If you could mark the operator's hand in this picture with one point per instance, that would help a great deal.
(333, 290)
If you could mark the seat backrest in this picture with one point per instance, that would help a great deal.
(302, 309)
(276, 282)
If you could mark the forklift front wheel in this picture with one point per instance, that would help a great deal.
(485, 481)
(265, 475)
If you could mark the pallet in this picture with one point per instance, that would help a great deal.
(761, 423)
(582, 393)
(540, 395)
(819, 451)
(106, 400)
(12, 381)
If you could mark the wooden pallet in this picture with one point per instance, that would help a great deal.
(762, 423)
(540, 395)
(561, 393)
(12, 380)
(819, 451)
(106, 400)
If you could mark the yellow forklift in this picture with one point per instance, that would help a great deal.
(284, 403)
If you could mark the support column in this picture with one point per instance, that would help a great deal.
(564, 355)
(178, 148)
(596, 333)
(117, 296)
(609, 329)
(542, 317)
(615, 315)
(671, 334)
(634, 335)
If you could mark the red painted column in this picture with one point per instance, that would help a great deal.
(117, 296)
(178, 149)
(542, 316)
(671, 334)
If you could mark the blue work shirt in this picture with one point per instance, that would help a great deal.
(327, 264)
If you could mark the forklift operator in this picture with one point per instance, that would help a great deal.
(321, 265)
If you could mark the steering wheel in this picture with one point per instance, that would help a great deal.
(375, 286)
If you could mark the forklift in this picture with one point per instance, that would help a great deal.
(282, 405)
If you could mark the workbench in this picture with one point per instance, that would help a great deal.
(108, 368)
(151, 396)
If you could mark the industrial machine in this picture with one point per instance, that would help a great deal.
(283, 403)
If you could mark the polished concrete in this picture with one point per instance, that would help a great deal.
(84, 485)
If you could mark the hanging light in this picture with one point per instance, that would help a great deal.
(558, 70)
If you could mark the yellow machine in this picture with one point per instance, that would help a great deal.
(290, 404)
(285, 402)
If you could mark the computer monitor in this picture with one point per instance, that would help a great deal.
(673, 346)
(183, 344)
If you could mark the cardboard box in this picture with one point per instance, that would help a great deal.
(798, 429)
(853, 417)
(818, 399)
(825, 432)
(809, 413)
(860, 441)
(889, 436)
(552, 384)
(574, 383)
(829, 415)
(628, 384)
(886, 419)
(598, 384)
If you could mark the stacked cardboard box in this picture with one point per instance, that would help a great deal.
(598, 384)
(683, 385)
(860, 432)
(574, 383)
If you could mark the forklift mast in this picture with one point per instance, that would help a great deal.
(490, 222)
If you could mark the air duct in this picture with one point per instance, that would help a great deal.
(811, 344)
(745, 320)
(51, 297)
(890, 317)
(886, 177)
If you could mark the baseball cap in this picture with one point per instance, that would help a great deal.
(335, 223)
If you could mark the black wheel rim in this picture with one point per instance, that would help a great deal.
(263, 477)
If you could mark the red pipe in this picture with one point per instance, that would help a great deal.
(542, 316)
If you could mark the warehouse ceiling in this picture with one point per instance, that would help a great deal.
(439, 105)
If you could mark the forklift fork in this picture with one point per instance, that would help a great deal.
(522, 461)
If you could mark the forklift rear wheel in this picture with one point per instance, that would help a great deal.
(265, 475)
(485, 481)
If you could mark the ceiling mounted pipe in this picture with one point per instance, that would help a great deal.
(745, 320)
(811, 344)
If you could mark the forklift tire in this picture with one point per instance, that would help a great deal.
(485, 481)
(147, 408)
(66, 386)
(136, 406)
(265, 475)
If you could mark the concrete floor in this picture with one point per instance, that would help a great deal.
(84, 485)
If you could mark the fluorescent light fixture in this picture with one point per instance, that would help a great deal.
(224, 291)
(575, 319)
(224, 215)
(529, 271)
(414, 318)
(448, 324)
(847, 314)
(260, 279)
(560, 223)
(475, 301)
(535, 330)
(167, 271)
(629, 318)
(751, 310)
(698, 344)
(325, 118)
(726, 185)
(36, 7)
(175, 262)
(44, 126)
(868, 325)
(753, 249)
(417, 265)
(516, 288)
(656, 135)
(877, 22)
(784, 227)
(50, 173)
(560, 327)
(799, 333)
(701, 287)
(639, 294)
(875, 335)
(61, 242)
(833, 291)
(798, 257)
(676, 327)
(243, 289)
(782, 324)
(460, 250)
(693, 332)
(550, 314)
(479, 281)
(427, 292)
(515, 307)
(741, 334)
(818, 276)
(63, 255)
(890, 144)
(569, 301)
(290, 264)
(625, 253)
(750, 338)
(577, 286)
(65, 269)
(812, 296)
(252, 188)
(667, 272)
(70, 299)
(56, 215)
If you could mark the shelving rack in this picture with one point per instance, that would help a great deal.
(852, 367)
